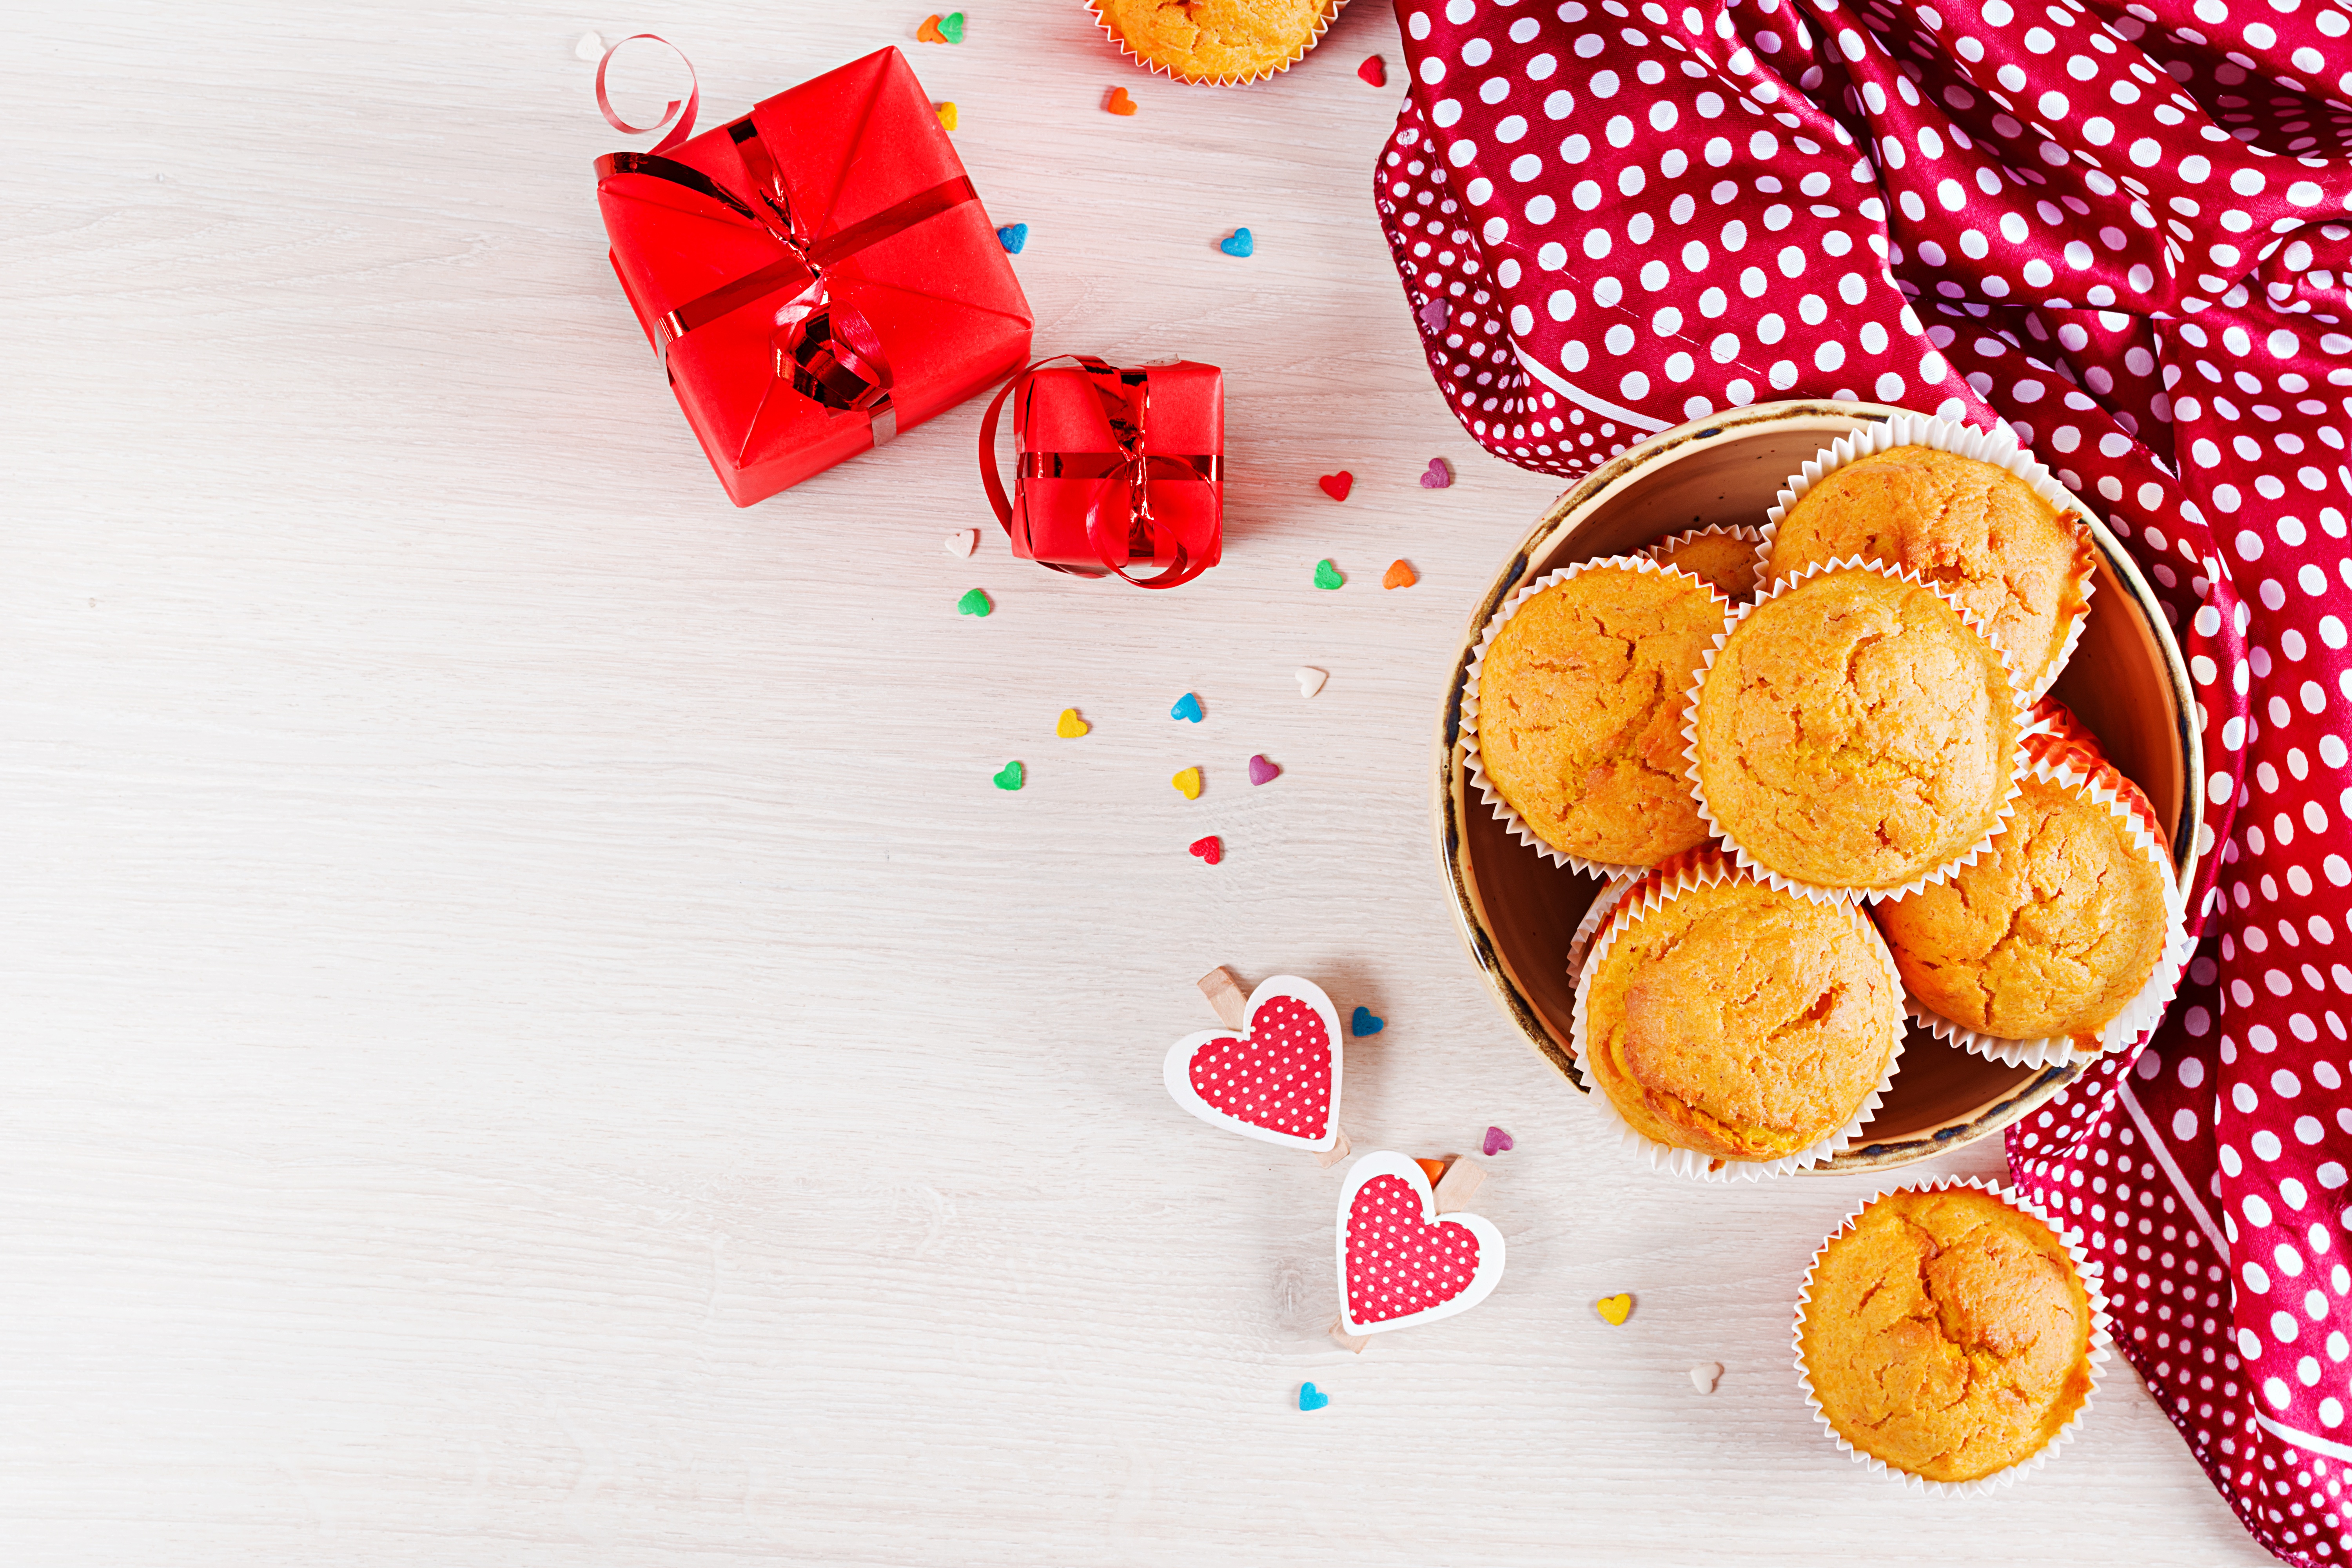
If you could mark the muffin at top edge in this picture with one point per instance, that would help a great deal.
(1204, 40)
(1947, 1334)
(1718, 556)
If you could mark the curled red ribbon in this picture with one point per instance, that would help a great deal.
(684, 127)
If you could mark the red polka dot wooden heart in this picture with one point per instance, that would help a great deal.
(1400, 1263)
(1277, 1079)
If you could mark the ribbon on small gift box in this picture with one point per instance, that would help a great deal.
(1129, 513)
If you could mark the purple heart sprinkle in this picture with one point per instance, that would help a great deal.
(1498, 1141)
(1438, 476)
(1433, 316)
(1263, 771)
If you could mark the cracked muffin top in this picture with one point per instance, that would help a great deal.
(1581, 700)
(1975, 530)
(1212, 40)
(1739, 1020)
(1946, 1334)
(2051, 933)
(1855, 733)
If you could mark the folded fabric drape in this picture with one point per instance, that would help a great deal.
(2121, 229)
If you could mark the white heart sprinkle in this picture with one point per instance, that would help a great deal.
(1703, 1376)
(1310, 679)
(962, 543)
(590, 46)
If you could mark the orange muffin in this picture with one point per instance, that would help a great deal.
(1723, 558)
(1854, 733)
(1216, 40)
(1581, 701)
(1738, 1020)
(1974, 530)
(1947, 1333)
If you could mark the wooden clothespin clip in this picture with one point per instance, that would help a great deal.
(1230, 1001)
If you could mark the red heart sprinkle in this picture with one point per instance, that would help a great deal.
(1337, 486)
(1209, 850)
(1374, 71)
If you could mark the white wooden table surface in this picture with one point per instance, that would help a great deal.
(530, 1038)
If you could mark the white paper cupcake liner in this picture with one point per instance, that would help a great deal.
(1698, 869)
(1094, 9)
(1997, 446)
(1817, 891)
(1751, 537)
(1476, 765)
(2054, 760)
(2101, 1343)
(1579, 946)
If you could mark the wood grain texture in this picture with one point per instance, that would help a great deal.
(531, 1038)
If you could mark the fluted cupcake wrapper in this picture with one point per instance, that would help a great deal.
(2101, 1342)
(1817, 891)
(1997, 446)
(1698, 869)
(1579, 946)
(1751, 537)
(1157, 68)
(2054, 757)
(1504, 811)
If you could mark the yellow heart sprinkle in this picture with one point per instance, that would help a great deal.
(1070, 726)
(947, 113)
(1188, 783)
(1615, 1308)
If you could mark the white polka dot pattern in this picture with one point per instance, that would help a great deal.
(1398, 1263)
(1279, 1076)
(2124, 232)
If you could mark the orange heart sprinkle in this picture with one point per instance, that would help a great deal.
(928, 33)
(1434, 1169)
(1400, 575)
(1119, 103)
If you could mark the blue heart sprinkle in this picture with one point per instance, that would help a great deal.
(1012, 236)
(1363, 1023)
(1311, 1397)
(1236, 244)
(1188, 707)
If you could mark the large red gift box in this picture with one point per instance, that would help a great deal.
(815, 276)
(1116, 468)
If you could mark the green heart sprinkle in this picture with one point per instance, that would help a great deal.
(1009, 777)
(1327, 575)
(975, 602)
(951, 27)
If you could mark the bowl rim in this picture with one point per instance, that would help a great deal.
(1449, 782)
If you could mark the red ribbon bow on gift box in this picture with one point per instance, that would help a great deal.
(1116, 534)
(826, 350)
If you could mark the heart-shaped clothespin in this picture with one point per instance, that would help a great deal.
(1401, 1262)
(1272, 1072)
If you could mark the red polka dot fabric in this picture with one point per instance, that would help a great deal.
(1279, 1078)
(1398, 1263)
(2121, 230)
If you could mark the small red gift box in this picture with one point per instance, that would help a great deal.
(816, 276)
(1116, 469)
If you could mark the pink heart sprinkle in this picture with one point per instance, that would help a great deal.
(1498, 1141)
(1433, 316)
(1263, 771)
(1438, 476)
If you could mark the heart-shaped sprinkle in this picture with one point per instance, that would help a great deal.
(1069, 726)
(951, 27)
(1118, 102)
(1438, 476)
(1209, 849)
(1615, 1308)
(928, 32)
(1400, 575)
(1498, 1142)
(1263, 771)
(947, 113)
(1703, 1376)
(1237, 243)
(963, 542)
(974, 603)
(1011, 776)
(1310, 679)
(590, 46)
(1366, 1022)
(1311, 1397)
(1188, 783)
(1337, 486)
(1433, 316)
(1374, 70)
(1188, 708)
(1434, 1169)
(1012, 236)
(1327, 575)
